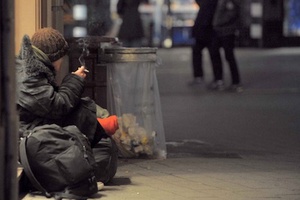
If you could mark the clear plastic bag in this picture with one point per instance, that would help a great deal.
(133, 96)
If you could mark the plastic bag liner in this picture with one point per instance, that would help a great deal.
(133, 96)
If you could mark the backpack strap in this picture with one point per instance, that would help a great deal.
(35, 182)
(27, 169)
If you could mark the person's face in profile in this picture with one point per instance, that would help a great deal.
(57, 64)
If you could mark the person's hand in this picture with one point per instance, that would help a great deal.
(81, 72)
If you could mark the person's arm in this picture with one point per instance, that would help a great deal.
(68, 94)
(41, 98)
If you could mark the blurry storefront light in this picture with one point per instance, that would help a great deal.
(79, 31)
(167, 43)
(256, 31)
(291, 24)
(80, 12)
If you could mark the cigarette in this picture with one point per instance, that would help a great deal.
(87, 71)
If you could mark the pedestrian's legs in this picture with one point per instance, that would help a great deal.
(228, 45)
(197, 58)
(215, 56)
(216, 60)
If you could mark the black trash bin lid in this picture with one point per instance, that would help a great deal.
(125, 50)
(123, 55)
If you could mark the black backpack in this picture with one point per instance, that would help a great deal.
(59, 162)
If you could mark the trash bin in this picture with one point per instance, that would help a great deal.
(133, 95)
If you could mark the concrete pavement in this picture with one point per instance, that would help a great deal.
(221, 145)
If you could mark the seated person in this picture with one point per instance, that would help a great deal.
(41, 101)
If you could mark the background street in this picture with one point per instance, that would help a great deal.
(263, 120)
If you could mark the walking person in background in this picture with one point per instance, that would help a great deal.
(202, 32)
(225, 24)
(131, 31)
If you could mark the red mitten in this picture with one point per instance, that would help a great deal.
(109, 124)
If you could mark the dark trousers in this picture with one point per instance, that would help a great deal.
(197, 57)
(227, 43)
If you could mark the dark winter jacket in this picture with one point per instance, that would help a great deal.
(40, 101)
(131, 27)
(226, 19)
(202, 28)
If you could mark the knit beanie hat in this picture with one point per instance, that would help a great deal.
(51, 42)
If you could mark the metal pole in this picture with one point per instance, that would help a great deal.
(157, 22)
(8, 121)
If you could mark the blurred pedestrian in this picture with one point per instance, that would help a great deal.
(225, 24)
(202, 32)
(99, 22)
(131, 31)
